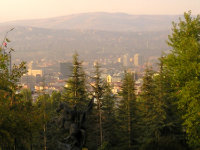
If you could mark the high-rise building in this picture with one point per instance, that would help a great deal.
(125, 60)
(137, 60)
(119, 60)
(65, 69)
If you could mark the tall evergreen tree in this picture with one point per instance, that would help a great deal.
(54, 133)
(109, 120)
(43, 105)
(75, 92)
(126, 112)
(102, 119)
(148, 122)
(98, 89)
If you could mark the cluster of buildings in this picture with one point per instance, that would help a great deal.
(42, 79)
(125, 60)
(39, 78)
(137, 60)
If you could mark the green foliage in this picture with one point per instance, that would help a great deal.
(109, 117)
(183, 65)
(22, 121)
(98, 89)
(75, 91)
(102, 121)
(46, 110)
(150, 121)
(159, 121)
(12, 122)
(126, 112)
(104, 146)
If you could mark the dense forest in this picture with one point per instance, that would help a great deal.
(164, 116)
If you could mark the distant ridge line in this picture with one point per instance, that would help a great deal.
(101, 21)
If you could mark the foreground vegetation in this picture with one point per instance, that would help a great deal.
(165, 115)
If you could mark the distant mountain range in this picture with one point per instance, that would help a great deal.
(91, 34)
(102, 21)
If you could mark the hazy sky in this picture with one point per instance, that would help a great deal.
(29, 9)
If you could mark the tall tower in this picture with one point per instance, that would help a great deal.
(137, 60)
(30, 67)
(125, 60)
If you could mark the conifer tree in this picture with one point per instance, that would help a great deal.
(109, 122)
(126, 112)
(98, 89)
(159, 120)
(103, 112)
(43, 105)
(54, 133)
(75, 92)
(148, 115)
(171, 130)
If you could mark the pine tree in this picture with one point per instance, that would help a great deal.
(159, 122)
(98, 89)
(75, 92)
(148, 126)
(54, 133)
(109, 120)
(43, 105)
(171, 130)
(126, 112)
